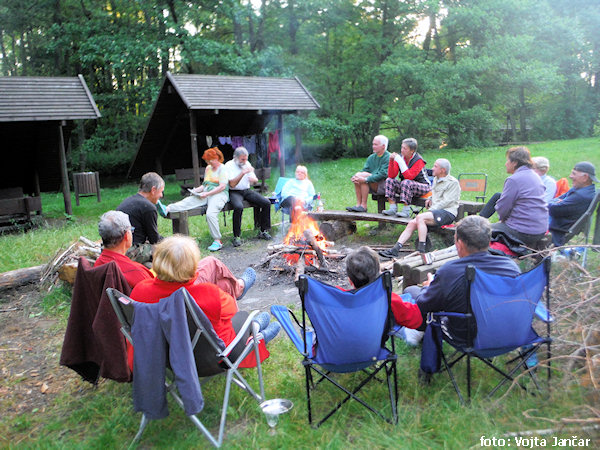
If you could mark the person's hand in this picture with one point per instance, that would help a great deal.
(393, 155)
(427, 203)
(203, 194)
(429, 279)
(198, 189)
(247, 169)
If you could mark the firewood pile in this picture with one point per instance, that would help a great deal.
(63, 265)
(414, 267)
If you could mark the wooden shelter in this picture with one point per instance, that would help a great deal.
(193, 106)
(36, 120)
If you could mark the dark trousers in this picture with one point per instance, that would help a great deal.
(490, 207)
(236, 198)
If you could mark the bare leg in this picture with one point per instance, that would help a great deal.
(364, 194)
(423, 220)
(408, 231)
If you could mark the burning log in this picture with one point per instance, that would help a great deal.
(310, 239)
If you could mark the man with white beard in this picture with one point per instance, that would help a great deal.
(241, 176)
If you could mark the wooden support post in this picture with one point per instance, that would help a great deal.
(282, 150)
(194, 141)
(63, 169)
(180, 223)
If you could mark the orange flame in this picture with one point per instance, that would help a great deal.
(295, 236)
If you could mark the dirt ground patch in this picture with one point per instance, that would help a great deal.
(29, 352)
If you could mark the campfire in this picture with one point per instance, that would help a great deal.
(303, 248)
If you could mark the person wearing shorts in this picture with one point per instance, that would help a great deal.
(443, 206)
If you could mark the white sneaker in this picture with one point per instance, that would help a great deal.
(413, 337)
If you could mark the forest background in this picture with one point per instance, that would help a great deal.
(448, 72)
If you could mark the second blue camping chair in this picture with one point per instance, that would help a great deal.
(350, 333)
(499, 320)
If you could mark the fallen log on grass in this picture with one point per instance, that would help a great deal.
(20, 277)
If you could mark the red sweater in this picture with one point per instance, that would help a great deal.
(410, 174)
(218, 306)
(405, 313)
(134, 272)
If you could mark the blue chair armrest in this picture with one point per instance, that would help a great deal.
(282, 314)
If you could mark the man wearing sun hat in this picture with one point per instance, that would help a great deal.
(566, 209)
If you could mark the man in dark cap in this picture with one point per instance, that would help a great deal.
(566, 209)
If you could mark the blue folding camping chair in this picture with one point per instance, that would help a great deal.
(350, 334)
(499, 320)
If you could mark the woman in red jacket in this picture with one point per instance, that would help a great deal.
(175, 262)
(412, 179)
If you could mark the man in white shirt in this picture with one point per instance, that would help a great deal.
(241, 176)
(443, 207)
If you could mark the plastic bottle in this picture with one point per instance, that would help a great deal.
(319, 203)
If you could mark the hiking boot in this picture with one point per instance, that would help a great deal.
(393, 252)
(422, 247)
(236, 242)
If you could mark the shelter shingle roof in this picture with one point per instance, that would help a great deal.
(242, 93)
(24, 99)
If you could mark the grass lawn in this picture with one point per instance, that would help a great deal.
(430, 417)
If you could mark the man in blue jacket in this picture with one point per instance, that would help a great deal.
(447, 291)
(566, 209)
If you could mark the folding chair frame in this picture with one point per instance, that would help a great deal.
(223, 365)
(388, 365)
(469, 351)
(470, 184)
(584, 225)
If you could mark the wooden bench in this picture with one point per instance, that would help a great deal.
(352, 216)
(16, 207)
(185, 178)
(465, 207)
(180, 219)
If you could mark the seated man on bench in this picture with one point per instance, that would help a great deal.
(373, 174)
(409, 166)
(240, 174)
(443, 206)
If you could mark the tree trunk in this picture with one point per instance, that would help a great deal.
(292, 27)
(523, 115)
(298, 152)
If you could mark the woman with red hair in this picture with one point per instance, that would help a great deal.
(212, 195)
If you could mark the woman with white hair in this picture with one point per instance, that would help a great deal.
(541, 166)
